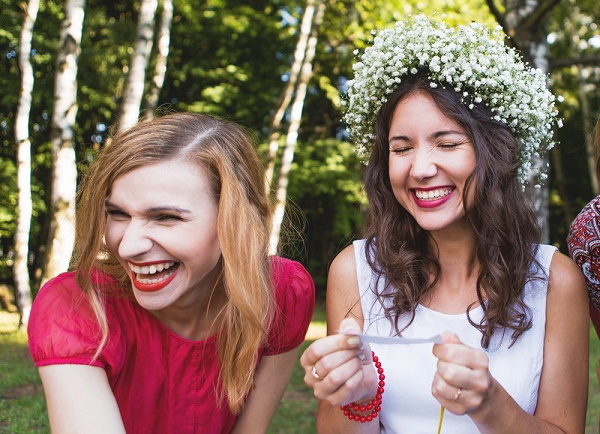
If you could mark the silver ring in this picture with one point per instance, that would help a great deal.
(458, 393)
(314, 372)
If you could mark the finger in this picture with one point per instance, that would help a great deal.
(450, 338)
(342, 376)
(328, 345)
(350, 326)
(442, 390)
(454, 399)
(453, 374)
(461, 354)
(348, 392)
(332, 361)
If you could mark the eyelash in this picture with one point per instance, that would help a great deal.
(443, 145)
(167, 217)
(448, 145)
(400, 151)
(116, 213)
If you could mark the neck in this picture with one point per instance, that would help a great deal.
(456, 287)
(199, 315)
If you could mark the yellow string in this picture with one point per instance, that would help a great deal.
(441, 419)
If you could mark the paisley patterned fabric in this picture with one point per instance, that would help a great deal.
(584, 247)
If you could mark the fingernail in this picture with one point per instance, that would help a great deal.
(353, 341)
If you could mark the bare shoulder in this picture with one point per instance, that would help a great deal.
(343, 297)
(344, 264)
(567, 295)
(565, 279)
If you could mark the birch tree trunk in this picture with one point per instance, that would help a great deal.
(24, 208)
(160, 70)
(64, 169)
(287, 92)
(525, 23)
(134, 86)
(294, 126)
(590, 149)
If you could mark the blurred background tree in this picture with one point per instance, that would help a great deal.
(233, 58)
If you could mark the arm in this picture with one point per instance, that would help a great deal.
(80, 400)
(272, 377)
(346, 376)
(562, 396)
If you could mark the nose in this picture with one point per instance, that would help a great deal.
(135, 241)
(423, 164)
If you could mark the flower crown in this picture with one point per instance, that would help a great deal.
(474, 61)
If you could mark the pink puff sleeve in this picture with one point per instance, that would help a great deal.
(295, 295)
(62, 327)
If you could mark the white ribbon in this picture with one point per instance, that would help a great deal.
(390, 340)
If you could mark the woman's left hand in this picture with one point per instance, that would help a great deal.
(462, 382)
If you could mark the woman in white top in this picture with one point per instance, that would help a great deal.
(451, 118)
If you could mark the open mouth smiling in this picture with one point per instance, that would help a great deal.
(435, 194)
(153, 273)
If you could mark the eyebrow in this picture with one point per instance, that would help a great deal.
(154, 209)
(435, 135)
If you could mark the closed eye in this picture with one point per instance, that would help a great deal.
(167, 218)
(117, 214)
(400, 150)
(449, 145)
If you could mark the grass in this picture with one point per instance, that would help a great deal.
(23, 409)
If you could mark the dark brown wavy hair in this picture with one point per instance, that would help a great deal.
(500, 215)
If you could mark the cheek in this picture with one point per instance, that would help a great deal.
(112, 236)
(398, 173)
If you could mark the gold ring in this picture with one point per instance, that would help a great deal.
(314, 372)
(458, 393)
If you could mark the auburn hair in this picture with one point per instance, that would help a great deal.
(225, 152)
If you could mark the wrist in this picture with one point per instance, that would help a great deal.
(365, 410)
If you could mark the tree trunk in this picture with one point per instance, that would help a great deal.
(292, 134)
(560, 179)
(64, 169)
(160, 70)
(288, 90)
(525, 23)
(590, 150)
(24, 208)
(134, 87)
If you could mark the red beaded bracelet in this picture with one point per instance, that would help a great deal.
(371, 409)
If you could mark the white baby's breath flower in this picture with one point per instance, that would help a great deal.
(471, 59)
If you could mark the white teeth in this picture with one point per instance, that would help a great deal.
(433, 194)
(147, 281)
(152, 269)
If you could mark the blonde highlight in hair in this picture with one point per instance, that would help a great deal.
(226, 154)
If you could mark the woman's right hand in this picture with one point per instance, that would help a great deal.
(339, 368)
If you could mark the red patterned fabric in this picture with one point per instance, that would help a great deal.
(584, 247)
(162, 382)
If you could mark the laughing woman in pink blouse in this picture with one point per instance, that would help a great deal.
(175, 319)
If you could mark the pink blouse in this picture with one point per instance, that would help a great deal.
(161, 381)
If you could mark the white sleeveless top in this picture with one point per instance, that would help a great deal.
(408, 405)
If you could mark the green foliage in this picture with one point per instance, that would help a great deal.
(325, 184)
(572, 27)
(231, 58)
(227, 58)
